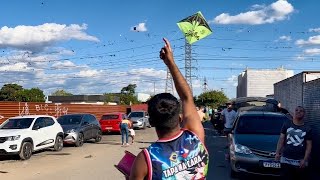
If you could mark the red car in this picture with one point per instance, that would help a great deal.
(110, 122)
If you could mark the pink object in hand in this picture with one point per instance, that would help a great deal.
(125, 164)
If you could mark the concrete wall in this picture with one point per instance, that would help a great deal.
(259, 83)
(311, 102)
(242, 85)
(289, 92)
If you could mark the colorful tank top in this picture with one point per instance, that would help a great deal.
(181, 157)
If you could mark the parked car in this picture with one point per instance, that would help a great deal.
(140, 119)
(255, 104)
(110, 122)
(79, 128)
(253, 143)
(24, 135)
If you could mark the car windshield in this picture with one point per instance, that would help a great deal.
(260, 124)
(110, 117)
(18, 123)
(70, 120)
(136, 114)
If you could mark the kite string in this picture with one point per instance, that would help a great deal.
(173, 35)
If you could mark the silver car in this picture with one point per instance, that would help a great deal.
(140, 119)
(253, 143)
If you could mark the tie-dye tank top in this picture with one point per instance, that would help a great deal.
(181, 157)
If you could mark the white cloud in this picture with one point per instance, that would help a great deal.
(285, 38)
(141, 27)
(63, 65)
(149, 72)
(313, 51)
(88, 73)
(233, 80)
(313, 40)
(314, 30)
(36, 38)
(259, 14)
(300, 57)
(21, 67)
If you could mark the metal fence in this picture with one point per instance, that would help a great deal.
(11, 109)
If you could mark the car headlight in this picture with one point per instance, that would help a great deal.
(71, 131)
(13, 138)
(238, 148)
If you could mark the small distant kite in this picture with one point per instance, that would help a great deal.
(194, 27)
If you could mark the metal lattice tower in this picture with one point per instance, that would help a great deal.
(169, 83)
(188, 60)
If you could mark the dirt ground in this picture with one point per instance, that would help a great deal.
(92, 161)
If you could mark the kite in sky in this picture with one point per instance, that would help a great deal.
(194, 27)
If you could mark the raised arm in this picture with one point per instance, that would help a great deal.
(191, 119)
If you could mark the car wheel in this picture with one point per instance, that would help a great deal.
(98, 137)
(58, 145)
(80, 140)
(26, 151)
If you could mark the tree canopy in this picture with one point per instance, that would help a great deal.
(130, 89)
(211, 98)
(15, 92)
(61, 92)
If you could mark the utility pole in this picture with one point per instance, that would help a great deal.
(188, 60)
(169, 83)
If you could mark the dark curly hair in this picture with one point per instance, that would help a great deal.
(164, 112)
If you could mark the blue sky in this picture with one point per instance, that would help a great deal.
(89, 47)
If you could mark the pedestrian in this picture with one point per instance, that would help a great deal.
(180, 152)
(228, 116)
(294, 146)
(125, 125)
(132, 134)
(201, 113)
(210, 111)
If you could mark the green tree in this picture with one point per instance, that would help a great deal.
(127, 99)
(8, 92)
(127, 95)
(111, 97)
(130, 89)
(211, 98)
(61, 92)
(30, 95)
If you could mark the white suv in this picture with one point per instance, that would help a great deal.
(25, 134)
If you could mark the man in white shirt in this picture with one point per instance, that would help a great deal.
(228, 116)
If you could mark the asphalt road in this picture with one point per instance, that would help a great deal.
(95, 161)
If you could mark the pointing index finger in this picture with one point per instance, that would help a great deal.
(167, 44)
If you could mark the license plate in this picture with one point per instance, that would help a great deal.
(108, 127)
(271, 164)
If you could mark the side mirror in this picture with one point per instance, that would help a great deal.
(36, 127)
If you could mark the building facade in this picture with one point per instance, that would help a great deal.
(259, 83)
